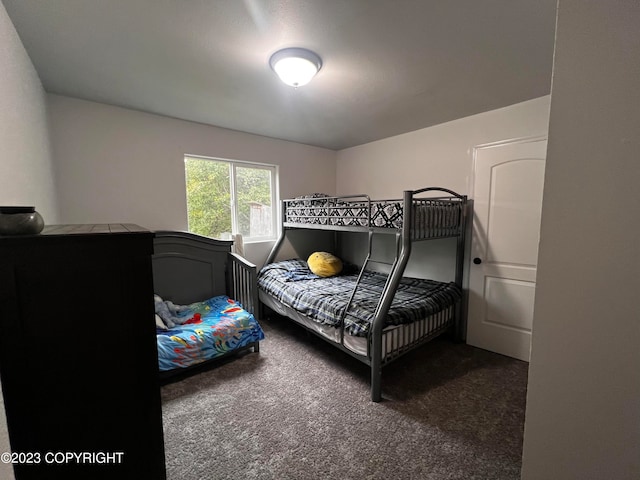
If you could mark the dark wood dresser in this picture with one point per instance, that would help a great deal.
(78, 357)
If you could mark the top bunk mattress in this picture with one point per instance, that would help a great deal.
(324, 300)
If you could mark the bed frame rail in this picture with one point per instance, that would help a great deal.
(242, 282)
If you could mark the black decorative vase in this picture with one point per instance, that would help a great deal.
(20, 221)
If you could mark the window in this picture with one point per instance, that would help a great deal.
(227, 197)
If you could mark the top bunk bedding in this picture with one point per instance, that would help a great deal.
(428, 217)
(324, 300)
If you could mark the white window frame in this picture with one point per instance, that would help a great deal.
(275, 211)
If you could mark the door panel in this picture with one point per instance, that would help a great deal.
(508, 185)
(514, 207)
(509, 302)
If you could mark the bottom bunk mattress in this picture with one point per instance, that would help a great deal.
(324, 300)
(210, 329)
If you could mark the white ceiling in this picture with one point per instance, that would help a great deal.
(389, 66)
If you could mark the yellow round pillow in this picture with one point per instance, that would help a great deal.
(324, 264)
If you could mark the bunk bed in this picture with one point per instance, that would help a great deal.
(375, 317)
(217, 292)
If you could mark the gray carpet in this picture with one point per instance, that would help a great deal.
(300, 410)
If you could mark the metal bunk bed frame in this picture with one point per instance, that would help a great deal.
(405, 236)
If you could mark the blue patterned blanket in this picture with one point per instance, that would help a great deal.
(216, 326)
(325, 299)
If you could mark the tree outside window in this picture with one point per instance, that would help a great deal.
(228, 197)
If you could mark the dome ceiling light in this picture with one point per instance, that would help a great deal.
(295, 66)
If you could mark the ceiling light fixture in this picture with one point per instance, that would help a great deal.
(295, 66)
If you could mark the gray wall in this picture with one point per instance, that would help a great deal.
(118, 165)
(436, 156)
(583, 408)
(26, 174)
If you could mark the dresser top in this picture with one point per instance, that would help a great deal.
(78, 230)
(91, 229)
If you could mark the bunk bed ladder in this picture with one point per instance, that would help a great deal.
(403, 246)
(353, 292)
(345, 312)
(403, 251)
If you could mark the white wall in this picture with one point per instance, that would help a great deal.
(6, 470)
(118, 165)
(583, 406)
(435, 156)
(26, 173)
(26, 176)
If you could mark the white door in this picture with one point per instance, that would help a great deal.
(507, 194)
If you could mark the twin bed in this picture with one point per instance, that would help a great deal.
(217, 289)
(375, 317)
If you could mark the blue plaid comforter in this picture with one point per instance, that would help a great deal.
(325, 299)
